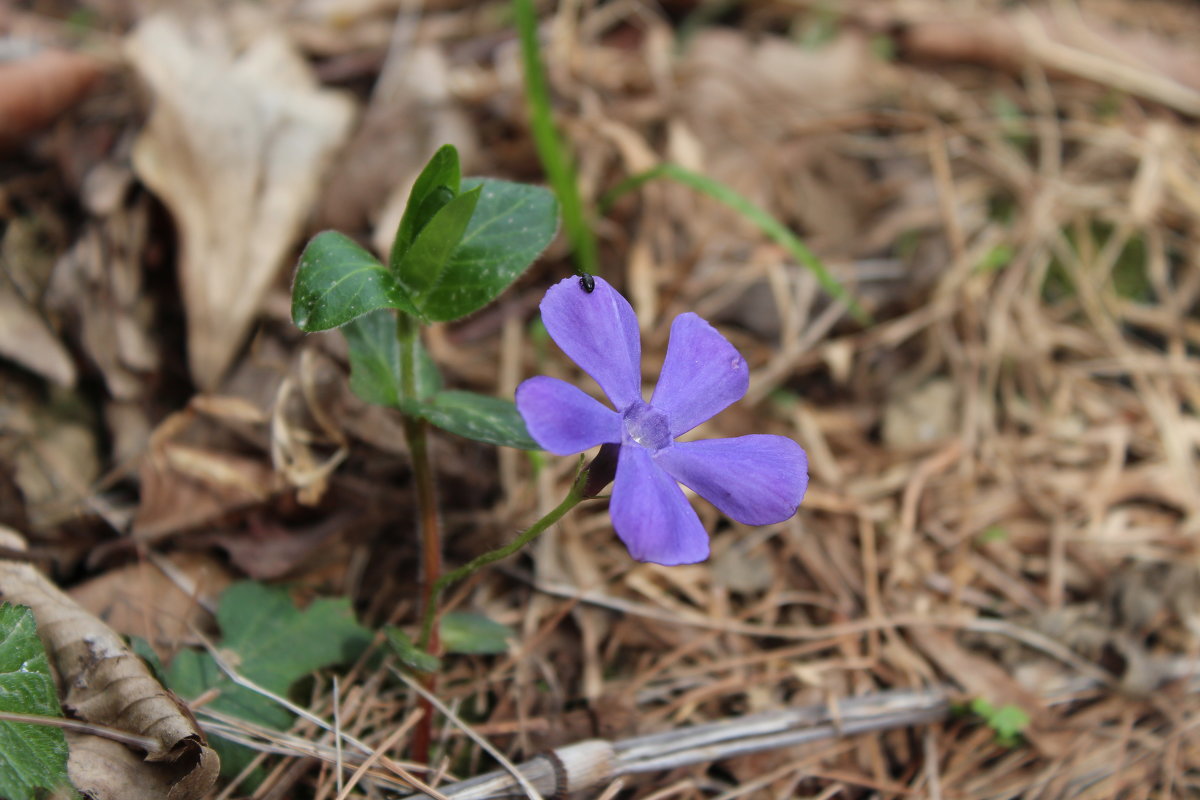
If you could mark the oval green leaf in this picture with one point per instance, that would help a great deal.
(478, 417)
(425, 261)
(408, 652)
(512, 224)
(337, 281)
(466, 632)
(436, 185)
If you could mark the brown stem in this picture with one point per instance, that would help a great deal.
(416, 432)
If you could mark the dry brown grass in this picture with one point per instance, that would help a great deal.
(1005, 496)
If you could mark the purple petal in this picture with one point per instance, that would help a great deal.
(651, 514)
(599, 332)
(564, 419)
(757, 479)
(703, 373)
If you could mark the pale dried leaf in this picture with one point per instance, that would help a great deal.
(237, 149)
(27, 339)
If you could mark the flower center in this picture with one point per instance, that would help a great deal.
(647, 426)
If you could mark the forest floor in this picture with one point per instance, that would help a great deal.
(1000, 534)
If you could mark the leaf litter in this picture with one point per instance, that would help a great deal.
(1004, 504)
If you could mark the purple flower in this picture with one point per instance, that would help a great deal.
(756, 480)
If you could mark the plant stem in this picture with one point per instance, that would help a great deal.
(574, 497)
(415, 431)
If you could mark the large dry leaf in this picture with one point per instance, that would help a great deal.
(236, 147)
(103, 682)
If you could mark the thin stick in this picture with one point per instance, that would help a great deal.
(386, 745)
(246, 683)
(145, 743)
(337, 733)
(604, 762)
(511, 768)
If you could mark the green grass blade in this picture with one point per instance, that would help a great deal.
(772, 227)
(555, 158)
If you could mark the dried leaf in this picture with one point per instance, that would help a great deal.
(37, 89)
(27, 339)
(104, 682)
(183, 487)
(142, 600)
(237, 149)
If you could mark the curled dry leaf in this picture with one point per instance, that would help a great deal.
(102, 681)
(236, 148)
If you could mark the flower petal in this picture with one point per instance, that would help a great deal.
(563, 418)
(758, 479)
(599, 332)
(703, 373)
(651, 514)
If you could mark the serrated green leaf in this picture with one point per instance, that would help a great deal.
(512, 224)
(375, 361)
(408, 652)
(478, 417)
(271, 642)
(421, 267)
(436, 185)
(337, 281)
(33, 758)
(465, 632)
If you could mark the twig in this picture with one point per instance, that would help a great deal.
(593, 762)
(146, 743)
(520, 780)
(246, 683)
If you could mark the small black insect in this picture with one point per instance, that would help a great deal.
(587, 283)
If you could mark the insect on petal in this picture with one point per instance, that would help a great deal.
(598, 331)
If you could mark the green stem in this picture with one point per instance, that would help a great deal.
(574, 497)
(555, 158)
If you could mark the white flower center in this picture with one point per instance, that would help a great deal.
(647, 426)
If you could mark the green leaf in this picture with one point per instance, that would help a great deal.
(375, 361)
(268, 640)
(478, 417)
(436, 185)
(337, 281)
(512, 224)
(33, 758)
(998, 257)
(1008, 722)
(464, 632)
(421, 267)
(408, 652)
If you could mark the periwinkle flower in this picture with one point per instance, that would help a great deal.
(757, 479)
